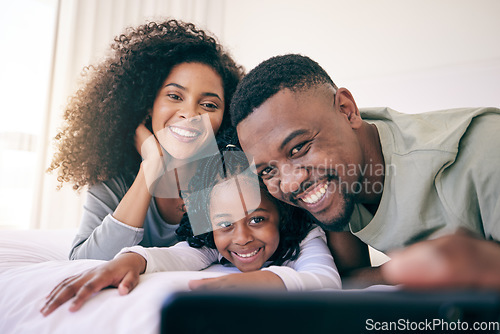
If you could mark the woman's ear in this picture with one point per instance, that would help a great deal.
(346, 105)
(148, 120)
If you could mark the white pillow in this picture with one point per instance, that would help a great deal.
(22, 247)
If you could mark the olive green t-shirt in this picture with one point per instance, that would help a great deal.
(442, 172)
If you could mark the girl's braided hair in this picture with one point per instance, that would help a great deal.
(294, 223)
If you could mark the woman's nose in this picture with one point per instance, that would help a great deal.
(191, 113)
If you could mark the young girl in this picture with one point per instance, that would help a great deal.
(169, 79)
(272, 244)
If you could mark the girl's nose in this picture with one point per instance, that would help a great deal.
(242, 235)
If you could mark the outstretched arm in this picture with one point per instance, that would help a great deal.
(352, 258)
(122, 272)
(459, 260)
(313, 269)
(259, 279)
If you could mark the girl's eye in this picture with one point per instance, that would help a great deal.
(256, 220)
(224, 224)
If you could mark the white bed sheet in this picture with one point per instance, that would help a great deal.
(33, 262)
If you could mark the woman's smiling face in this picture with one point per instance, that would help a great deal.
(188, 109)
(245, 222)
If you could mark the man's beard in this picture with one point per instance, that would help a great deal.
(339, 223)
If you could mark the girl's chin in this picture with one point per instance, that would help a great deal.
(245, 269)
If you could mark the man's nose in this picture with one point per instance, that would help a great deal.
(292, 178)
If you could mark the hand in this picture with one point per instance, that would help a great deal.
(122, 272)
(455, 261)
(142, 133)
(151, 152)
(261, 279)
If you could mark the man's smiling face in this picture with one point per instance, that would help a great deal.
(306, 152)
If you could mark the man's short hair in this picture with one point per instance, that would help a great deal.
(292, 71)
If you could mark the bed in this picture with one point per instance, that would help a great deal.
(32, 262)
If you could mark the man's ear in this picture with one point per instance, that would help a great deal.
(346, 105)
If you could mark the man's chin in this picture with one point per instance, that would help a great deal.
(340, 221)
(334, 226)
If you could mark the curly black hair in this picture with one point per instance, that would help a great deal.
(292, 71)
(96, 142)
(294, 223)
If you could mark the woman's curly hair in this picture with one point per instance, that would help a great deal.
(96, 142)
(294, 223)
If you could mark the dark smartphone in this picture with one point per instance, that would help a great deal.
(346, 311)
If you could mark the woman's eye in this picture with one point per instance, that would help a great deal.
(256, 220)
(210, 105)
(174, 96)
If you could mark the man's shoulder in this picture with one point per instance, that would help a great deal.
(433, 131)
(386, 113)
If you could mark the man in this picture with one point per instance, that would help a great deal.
(378, 177)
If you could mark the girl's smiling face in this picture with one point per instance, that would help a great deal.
(188, 109)
(245, 223)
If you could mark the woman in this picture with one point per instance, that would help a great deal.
(157, 75)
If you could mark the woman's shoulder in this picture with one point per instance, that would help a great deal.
(117, 186)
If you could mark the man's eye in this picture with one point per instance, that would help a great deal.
(296, 149)
(267, 172)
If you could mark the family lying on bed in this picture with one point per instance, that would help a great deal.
(375, 177)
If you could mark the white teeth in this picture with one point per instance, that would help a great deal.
(183, 132)
(316, 196)
(249, 254)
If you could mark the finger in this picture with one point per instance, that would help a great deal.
(204, 284)
(86, 291)
(150, 147)
(59, 286)
(128, 283)
(64, 292)
(417, 267)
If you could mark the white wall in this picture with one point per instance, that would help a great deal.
(411, 55)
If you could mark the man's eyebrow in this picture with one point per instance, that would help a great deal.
(184, 88)
(291, 136)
